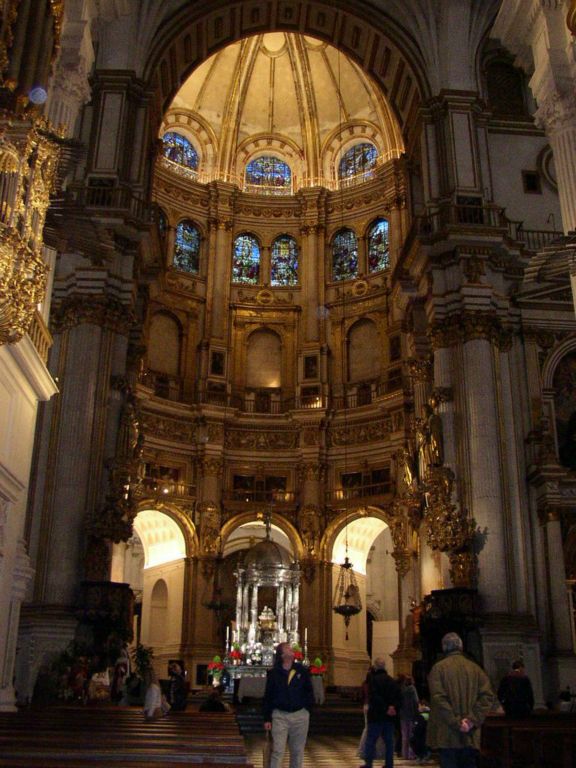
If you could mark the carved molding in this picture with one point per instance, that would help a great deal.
(251, 440)
(105, 312)
(360, 433)
(421, 368)
(556, 112)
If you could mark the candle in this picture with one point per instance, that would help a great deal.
(306, 636)
(227, 635)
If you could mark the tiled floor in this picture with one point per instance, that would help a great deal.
(322, 752)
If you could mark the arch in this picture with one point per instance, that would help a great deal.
(378, 45)
(158, 612)
(179, 517)
(263, 359)
(359, 160)
(364, 351)
(281, 146)
(346, 518)
(284, 261)
(198, 132)
(246, 259)
(164, 343)
(244, 518)
(161, 536)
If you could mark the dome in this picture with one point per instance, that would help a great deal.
(283, 96)
(266, 554)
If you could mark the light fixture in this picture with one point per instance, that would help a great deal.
(347, 602)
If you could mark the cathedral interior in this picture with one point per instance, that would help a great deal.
(288, 287)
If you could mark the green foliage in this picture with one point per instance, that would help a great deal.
(142, 657)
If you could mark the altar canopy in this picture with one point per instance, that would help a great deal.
(266, 565)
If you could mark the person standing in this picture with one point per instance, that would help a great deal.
(461, 697)
(409, 710)
(383, 704)
(288, 700)
(515, 692)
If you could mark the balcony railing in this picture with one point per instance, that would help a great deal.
(40, 336)
(155, 486)
(117, 201)
(341, 495)
(252, 496)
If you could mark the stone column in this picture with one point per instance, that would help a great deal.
(485, 470)
(245, 607)
(253, 615)
(288, 608)
(280, 596)
(559, 603)
(295, 607)
(557, 116)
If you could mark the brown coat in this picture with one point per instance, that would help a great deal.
(459, 688)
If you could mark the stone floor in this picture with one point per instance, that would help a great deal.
(323, 751)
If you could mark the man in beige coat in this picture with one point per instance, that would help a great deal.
(460, 699)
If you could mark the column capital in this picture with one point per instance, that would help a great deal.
(556, 111)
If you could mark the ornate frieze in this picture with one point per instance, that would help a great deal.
(469, 326)
(360, 433)
(105, 312)
(166, 428)
(261, 440)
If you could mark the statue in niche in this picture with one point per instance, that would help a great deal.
(403, 471)
(210, 528)
(429, 440)
(310, 529)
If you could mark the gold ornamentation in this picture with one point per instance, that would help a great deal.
(165, 428)
(310, 525)
(442, 395)
(312, 471)
(464, 569)
(265, 297)
(28, 158)
(448, 528)
(360, 288)
(421, 368)
(209, 517)
(571, 18)
(403, 560)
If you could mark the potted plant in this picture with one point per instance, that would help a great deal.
(142, 656)
(215, 669)
(317, 667)
(236, 654)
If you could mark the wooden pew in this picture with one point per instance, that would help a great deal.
(546, 740)
(114, 737)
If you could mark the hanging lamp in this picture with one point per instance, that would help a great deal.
(347, 602)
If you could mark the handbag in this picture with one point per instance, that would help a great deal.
(379, 749)
(267, 751)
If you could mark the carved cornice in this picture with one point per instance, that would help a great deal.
(105, 312)
(360, 433)
(469, 326)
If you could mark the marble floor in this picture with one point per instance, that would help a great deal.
(323, 751)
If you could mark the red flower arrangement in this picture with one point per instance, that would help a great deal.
(236, 653)
(317, 668)
(298, 655)
(216, 664)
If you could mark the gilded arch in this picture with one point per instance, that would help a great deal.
(180, 517)
(284, 525)
(376, 43)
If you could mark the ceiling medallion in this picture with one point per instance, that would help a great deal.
(265, 297)
(360, 288)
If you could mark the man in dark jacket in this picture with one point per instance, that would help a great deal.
(384, 699)
(515, 692)
(288, 699)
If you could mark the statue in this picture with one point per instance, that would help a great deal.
(435, 435)
(404, 475)
(310, 528)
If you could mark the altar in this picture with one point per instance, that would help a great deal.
(252, 683)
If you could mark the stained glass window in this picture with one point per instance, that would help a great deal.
(246, 262)
(378, 246)
(344, 255)
(284, 261)
(269, 174)
(178, 149)
(359, 159)
(187, 248)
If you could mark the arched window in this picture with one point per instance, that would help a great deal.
(358, 160)
(187, 248)
(344, 255)
(268, 175)
(246, 262)
(378, 246)
(178, 149)
(284, 261)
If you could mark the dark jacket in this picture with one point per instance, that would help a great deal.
(287, 689)
(383, 692)
(516, 695)
(459, 688)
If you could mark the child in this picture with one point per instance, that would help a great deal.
(418, 740)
